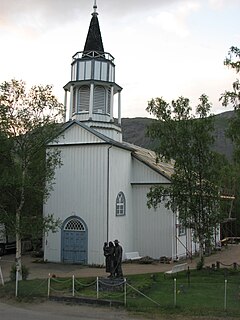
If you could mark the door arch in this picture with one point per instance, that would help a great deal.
(74, 241)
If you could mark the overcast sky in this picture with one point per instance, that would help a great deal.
(167, 48)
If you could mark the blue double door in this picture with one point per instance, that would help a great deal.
(74, 246)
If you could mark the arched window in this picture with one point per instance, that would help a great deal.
(74, 225)
(99, 100)
(120, 204)
(83, 99)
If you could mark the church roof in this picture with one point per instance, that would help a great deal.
(94, 38)
(149, 157)
(146, 156)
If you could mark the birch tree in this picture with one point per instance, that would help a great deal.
(187, 139)
(28, 120)
(231, 98)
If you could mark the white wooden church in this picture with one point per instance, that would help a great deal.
(100, 191)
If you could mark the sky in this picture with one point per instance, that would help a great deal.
(162, 48)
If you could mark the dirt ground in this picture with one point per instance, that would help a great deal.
(59, 310)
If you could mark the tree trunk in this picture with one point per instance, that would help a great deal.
(19, 254)
(201, 248)
(18, 228)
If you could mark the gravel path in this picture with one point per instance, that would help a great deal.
(227, 256)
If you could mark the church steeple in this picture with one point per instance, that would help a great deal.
(92, 86)
(94, 38)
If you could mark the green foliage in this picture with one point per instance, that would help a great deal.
(200, 264)
(200, 294)
(195, 184)
(28, 121)
(232, 98)
(24, 270)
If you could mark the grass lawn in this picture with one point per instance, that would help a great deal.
(202, 292)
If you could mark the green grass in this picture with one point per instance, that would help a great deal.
(202, 293)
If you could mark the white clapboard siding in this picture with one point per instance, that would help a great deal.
(121, 227)
(153, 229)
(80, 190)
(77, 134)
(110, 133)
(141, 173)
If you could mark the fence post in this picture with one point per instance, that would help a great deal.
(97, 287)
(175, 292)
(125, 292)
(225, 295)
(73, 286)
(49, 285)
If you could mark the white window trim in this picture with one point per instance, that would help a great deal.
(120, 206)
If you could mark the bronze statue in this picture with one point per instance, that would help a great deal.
(118, 260)
(113, 255)
(108, 250)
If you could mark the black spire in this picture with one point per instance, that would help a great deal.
(94, 38)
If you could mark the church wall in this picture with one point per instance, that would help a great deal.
(80, 190)
(185, 244)
(76, 134)
(143, 174)
(120, 227)
(154, 230)
(109, 132)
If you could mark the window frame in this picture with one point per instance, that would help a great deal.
(181, 230)
(120, 205)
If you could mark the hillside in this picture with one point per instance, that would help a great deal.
(134, 131)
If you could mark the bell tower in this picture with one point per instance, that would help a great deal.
(92, 87)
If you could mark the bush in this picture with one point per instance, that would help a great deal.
(146, 260)
(37, 254)
(25, 272)
(200, 264)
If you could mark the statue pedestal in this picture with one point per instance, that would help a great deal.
(111, 284)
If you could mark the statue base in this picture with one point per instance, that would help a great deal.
(111, 284)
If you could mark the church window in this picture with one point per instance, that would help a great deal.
(74, 225)
(181, 230)
(81, 70)
(120, 204)
(83, 99)
(97, 70)
(74, 72)
(104, 71)
(88, 70)
(99, 100)
(111, 73)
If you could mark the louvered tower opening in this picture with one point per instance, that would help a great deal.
(108, 100)
(99, 99)
(83, 98)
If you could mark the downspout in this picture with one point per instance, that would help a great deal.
(108, 189)
(176, 241)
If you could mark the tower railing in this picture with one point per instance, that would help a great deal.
(93, 55)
